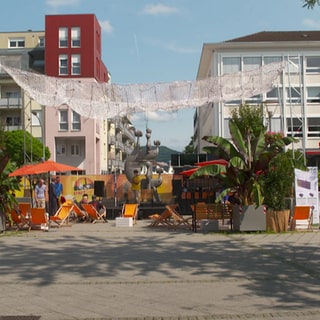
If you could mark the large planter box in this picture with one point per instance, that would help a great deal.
(249, 218)
(278, 221)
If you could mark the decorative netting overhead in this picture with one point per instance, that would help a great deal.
(97, 100)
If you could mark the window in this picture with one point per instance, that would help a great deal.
(17, 43)
(294, 126)
(313, 127)
(63, 37)
(36, 118)
(251, 63)
(231, 65)
(75, 37)
(76, 121)
(61, 149)
(75, 150)
(13, 121)
(254, 99)
(312, 64)
(63, 120)
(41, 42)
(274, 95)
(293, 95)
(271, 59)
(63, 64)
(313, 95)
(294, 64)
(75, 62)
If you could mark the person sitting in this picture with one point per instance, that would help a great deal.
(98, 205)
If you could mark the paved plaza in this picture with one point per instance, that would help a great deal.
(100, 271)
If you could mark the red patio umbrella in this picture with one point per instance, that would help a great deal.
(46, 166)
(189, 172)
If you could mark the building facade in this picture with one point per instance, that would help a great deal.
(23, 50)
(70, 47)
(292, 106)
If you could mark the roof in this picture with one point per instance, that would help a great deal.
(267, 36)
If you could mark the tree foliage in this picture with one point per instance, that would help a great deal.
(18, 141)
(310, 4)
(190, 147)
(248, 155)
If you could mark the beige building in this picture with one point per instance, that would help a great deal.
(292, 106)
(20, 50)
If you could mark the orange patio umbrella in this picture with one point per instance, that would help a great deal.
(46, 166)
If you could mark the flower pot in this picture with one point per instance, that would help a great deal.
(249, 218)
(278, 220)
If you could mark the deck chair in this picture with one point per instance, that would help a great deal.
(39, 219)
(177, 219)
(162, 219)
(24, 208)
(63, 215)
(301, 218)
(93, 215)
(81, 215)
(19, 220)
(130, 210)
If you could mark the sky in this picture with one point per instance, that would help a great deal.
(146, 41)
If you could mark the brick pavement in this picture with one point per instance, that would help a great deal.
(98, 271)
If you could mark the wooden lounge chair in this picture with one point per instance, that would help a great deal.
(93, 215)
(19, 220)
(24, 208)
(81, 215)
(130, 210)
(177, 219)
(163, 219)
(39, 219)
(63, 215)
(302, 218)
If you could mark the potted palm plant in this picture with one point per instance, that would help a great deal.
(278, 184)
(248, 155)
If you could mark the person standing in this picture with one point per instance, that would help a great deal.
(40, 194)
(135, 186)
(53, 206)
(58, 190)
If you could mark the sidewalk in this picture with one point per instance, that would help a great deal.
(99, 271)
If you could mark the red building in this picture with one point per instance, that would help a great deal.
(73, 50)
(73, 47)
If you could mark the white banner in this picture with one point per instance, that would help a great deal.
(306, 186)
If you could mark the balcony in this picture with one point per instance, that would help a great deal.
(13, 103)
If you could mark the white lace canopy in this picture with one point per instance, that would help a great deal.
(97, 100)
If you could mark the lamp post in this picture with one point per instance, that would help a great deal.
(42, 134)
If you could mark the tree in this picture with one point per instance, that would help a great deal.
(7, 184)
(190, 147)
(19, 140)
(310, 4)
(248, 155)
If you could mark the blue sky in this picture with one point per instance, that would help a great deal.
(161, 40)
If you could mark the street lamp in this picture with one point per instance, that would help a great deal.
(42, 134)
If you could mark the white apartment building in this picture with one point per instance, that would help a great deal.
(292, 106)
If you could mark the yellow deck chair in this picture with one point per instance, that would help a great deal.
(39, 219)
(301, 218)
(130, 210)
(62, 216)
(93, 214)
